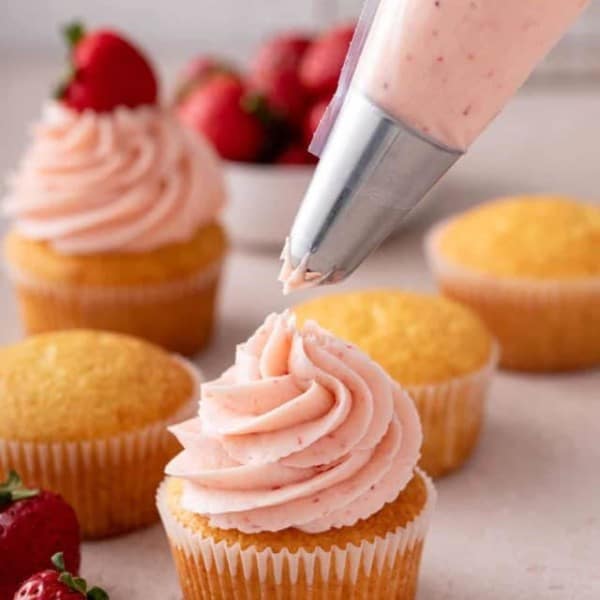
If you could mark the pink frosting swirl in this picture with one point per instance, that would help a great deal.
(127, 181)
(303, 431)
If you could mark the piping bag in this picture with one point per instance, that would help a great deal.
(376, 163)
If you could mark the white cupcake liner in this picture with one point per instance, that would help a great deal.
(140, 293)
(518, 290)
(450, 411)
(79, 470)
(285, 566)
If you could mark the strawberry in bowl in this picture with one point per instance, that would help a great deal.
(217, 110)
(261, 124)
(199, 71)
(322, 63)
(275, 73)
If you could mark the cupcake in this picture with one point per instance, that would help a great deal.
(439, 351)
(298, 477)
(115, 209)
(84, 414)
(530, 267)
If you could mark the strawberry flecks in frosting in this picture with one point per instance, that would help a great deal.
(131, 180)
(304, 431)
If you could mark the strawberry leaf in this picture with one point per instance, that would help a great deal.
(257, 105)
(97, 593)
(58, 560)
(63, 85)
(73, 32)
(80, 584)
(77, 584)
(13, 481)
(12, 490)
(24, 494)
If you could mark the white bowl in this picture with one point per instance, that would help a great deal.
(263, 200)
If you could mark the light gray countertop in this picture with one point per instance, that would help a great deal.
(522, 520)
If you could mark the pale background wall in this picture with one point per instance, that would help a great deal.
(179, 25)
(169, 25)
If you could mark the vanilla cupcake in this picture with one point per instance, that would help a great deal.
(439, 351)
(84, 414)
(116, 226)
(298, 477)
(530, 267)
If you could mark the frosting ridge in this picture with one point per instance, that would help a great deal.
(303, 431)
(127, 181)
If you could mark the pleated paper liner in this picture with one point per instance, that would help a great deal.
(452, 415)
(177, 315)
(540, 325)
(380, 567)
(111, 483)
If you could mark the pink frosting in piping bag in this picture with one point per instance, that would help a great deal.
(128, 181)
(303, 431)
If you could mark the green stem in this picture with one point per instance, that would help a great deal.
(76, 584)
(13, 490)
(73, 32)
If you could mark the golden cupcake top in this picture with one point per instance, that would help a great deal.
(537, 237)
(79, 385)
(184, 259)
(410, 503)
(418, 338)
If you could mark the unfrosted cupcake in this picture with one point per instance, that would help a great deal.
(115, 210)
(439, 351)
(298, 476)
(84, 414)
(530, 267)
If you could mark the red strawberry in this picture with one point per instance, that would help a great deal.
(27, 515)
(321, 65)
(284, 94)
(217, 111)
(296, 154)
(274, 74)
(58, 584)
(107, 71)
(197, 72)
(46, 585)
(280, 53)
(313, 118)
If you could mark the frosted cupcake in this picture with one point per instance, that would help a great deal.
(84, 414)
(298, 476)
(438, 350)
(116, 227)
(530, 267)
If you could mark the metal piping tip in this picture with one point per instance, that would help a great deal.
(373, 172)
(298, 277)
